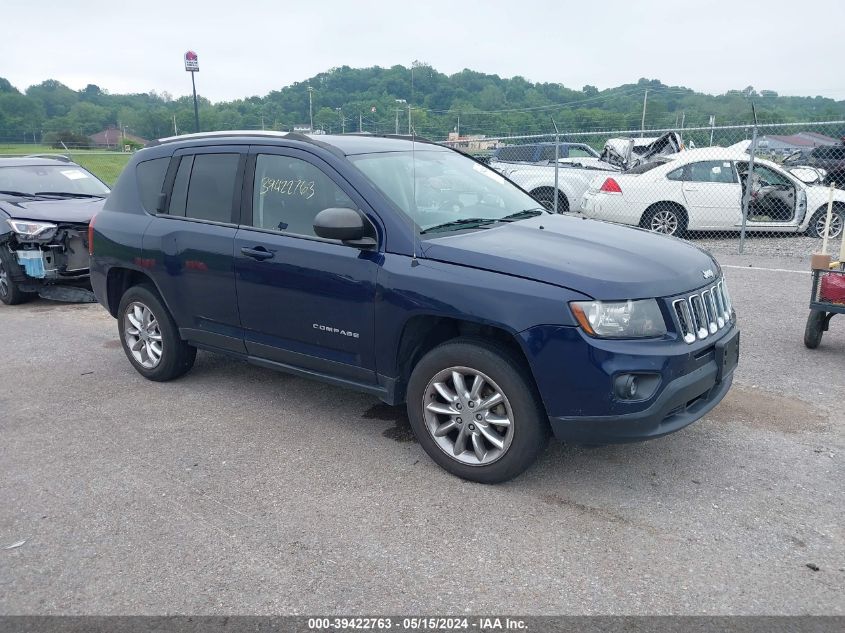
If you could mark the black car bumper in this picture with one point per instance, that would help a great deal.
(682, 402)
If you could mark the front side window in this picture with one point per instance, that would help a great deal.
(204, 187)
(443, 190)
(717, 171)
(290, 192)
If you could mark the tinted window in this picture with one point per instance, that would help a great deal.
(516, 153)
(179, 197)
(549, 153)
(150, 177)
(290, 192)
(711, 171)
(677, 174)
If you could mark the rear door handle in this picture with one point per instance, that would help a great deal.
(259, 252)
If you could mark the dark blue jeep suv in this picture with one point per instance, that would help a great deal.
(407, 270)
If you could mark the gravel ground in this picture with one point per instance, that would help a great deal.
(240, 490)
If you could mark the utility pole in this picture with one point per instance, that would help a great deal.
(712, 125)
(398, 110)
(360, 122)
(262, 122)
(409, 120)
(458, 129)
(642, 123)
(311, 108)
(342, 121)
(175, 133)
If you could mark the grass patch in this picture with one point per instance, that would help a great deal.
(103, 164)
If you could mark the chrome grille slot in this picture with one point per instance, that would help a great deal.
(720, 305)
(710, 307)
(704, 313)
(682, 311)
(699, 315)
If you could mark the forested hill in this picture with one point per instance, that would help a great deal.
(348, 97)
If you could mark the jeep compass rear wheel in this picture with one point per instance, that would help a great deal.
(475, 411)
(150, 338)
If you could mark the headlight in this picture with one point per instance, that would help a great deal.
(620, 319)
(33, 230)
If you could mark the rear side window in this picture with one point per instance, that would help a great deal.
(676, 174)
(150, 178)
(204, 187)
(711, 171)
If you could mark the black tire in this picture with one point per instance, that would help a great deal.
(666, 218)
(815, 329)
(177, 357)
(529, 430)
(816, 226)
(545, 196)
(10, 292)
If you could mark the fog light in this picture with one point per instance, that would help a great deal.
(626, 388)
(635, 386)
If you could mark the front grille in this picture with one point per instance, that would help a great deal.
(704, 313)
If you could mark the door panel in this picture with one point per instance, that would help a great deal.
(189, 250)
(712, 194)
(303, 301)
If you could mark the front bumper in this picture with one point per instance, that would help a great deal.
(681, 403)
(575, 377)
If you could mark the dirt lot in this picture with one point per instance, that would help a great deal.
(240, 490)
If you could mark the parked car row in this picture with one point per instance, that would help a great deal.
(703, 189)
(574, 173)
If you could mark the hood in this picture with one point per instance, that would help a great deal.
(602, 260)
(62, 210)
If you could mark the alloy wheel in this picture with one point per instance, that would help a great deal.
(4, 281)
(142, 335)
(836, 223)
(665, 222)
(468, 416)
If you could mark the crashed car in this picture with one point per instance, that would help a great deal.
(45, 207)
(575, 174)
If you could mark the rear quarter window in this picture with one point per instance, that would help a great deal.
(149, 175)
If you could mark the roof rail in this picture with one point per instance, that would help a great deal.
(219, 133)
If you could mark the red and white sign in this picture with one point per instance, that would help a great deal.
(192, 62)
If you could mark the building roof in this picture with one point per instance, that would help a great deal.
(803, 139)
(113, 136)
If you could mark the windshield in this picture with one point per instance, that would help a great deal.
(450, 188)
(55, 179)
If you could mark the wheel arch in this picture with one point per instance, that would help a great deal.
(120, 279)
(423, 332)
(654, 206)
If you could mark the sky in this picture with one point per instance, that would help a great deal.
(251, 47)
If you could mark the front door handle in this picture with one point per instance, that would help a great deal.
(259, 252)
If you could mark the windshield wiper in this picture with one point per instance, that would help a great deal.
(468, 223)
(17, 193)
(69, 194)
(522, 215)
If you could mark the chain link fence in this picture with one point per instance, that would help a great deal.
(756, 189)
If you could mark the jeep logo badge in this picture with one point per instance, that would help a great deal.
(708, 274)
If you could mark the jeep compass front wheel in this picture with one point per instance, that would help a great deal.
(476, 412)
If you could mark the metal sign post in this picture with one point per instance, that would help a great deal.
(192, 66)
(557, 163)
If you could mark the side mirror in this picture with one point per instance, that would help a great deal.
(346, 225)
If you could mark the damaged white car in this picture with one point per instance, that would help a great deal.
(46, 205)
